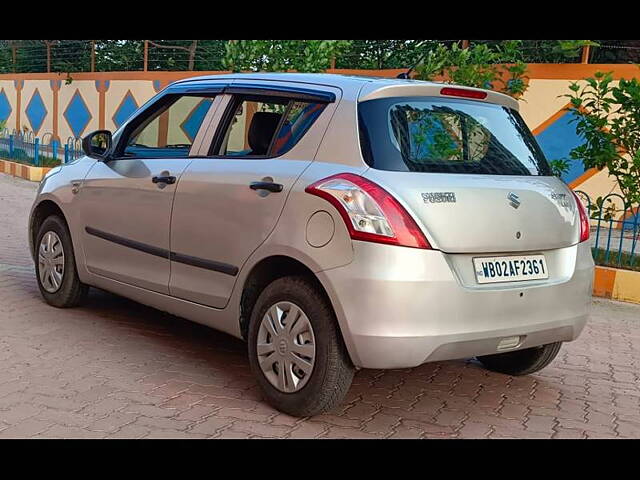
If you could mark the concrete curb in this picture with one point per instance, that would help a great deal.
(617, 284)
(27, 172)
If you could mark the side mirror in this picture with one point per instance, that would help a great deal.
(97, 144)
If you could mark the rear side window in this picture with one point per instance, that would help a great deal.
(264, 126)
(421, 134)
(300, 116)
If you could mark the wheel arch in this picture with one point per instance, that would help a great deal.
(45, 208)
(262, 274)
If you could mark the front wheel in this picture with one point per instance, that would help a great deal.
(521, 362)
(56, 266)
(296, 351)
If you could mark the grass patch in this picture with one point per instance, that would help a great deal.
(24, 159)
(627, 261)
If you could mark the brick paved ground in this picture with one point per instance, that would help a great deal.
(117, 369)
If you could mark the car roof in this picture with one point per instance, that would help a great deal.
(329, 79)
(375, 87)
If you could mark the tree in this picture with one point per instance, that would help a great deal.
(119, 55)
(380, 54)
(282, 55)
(191, 50)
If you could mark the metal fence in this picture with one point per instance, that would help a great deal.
(44, 151)
(615, 231)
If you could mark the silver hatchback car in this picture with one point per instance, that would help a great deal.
(333, 222)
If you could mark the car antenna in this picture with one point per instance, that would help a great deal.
(406, 75)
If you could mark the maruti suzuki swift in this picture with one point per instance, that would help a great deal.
(333, 222)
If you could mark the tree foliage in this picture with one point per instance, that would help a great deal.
(499, 67)
(607, 116)
(282, 55)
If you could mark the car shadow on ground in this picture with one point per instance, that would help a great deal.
(221, 361)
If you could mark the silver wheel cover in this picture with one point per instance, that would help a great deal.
(51, 262)
(286, 347)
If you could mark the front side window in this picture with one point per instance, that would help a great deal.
(448, 136)
(171, 131)
(265, 126)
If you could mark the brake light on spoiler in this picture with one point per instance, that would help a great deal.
(463, 92)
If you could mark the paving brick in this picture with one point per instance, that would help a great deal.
(112, 422)
(308, 430)
(26, 428)
(162, 423)
(474, 430)
(18, 413)
(260, 429)
(196, 412)
(230, 434)
(405, 432)
(182, 401)
(569, 433)
(345, 432)
(540, 423)
(62, 431)
(211, 425)
(381, 423)
(430, 430)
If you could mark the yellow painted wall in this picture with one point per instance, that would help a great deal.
(87, 90)
(142, 90)
(541, 100)
(28, 92)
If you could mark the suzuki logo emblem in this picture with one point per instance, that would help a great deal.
(514, 200)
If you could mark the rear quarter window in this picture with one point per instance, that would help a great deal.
(431, 134)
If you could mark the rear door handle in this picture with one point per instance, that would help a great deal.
(270, 186)
(168, 179)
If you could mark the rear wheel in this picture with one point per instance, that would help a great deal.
(521, 362)
(55, 265)
(296, 351)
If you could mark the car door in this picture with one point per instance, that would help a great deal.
(126, 201)
(228, 203)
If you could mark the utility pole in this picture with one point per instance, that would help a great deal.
(585, 53)
(93, 55)
(146, 55)
(49, 44)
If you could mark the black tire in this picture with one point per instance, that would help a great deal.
(332, 372)
(521, 362)
(72, 291)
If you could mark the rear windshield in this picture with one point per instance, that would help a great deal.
(431, 134)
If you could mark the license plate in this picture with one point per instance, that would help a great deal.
(510, 269)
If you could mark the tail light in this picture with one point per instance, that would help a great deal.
(584, 219)
(370, 212)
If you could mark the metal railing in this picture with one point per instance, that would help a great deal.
(45, 151)
(615, 231)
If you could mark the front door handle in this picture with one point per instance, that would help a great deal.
(168, 179)
(270, 186)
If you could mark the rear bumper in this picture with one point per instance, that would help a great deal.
(401, 307)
